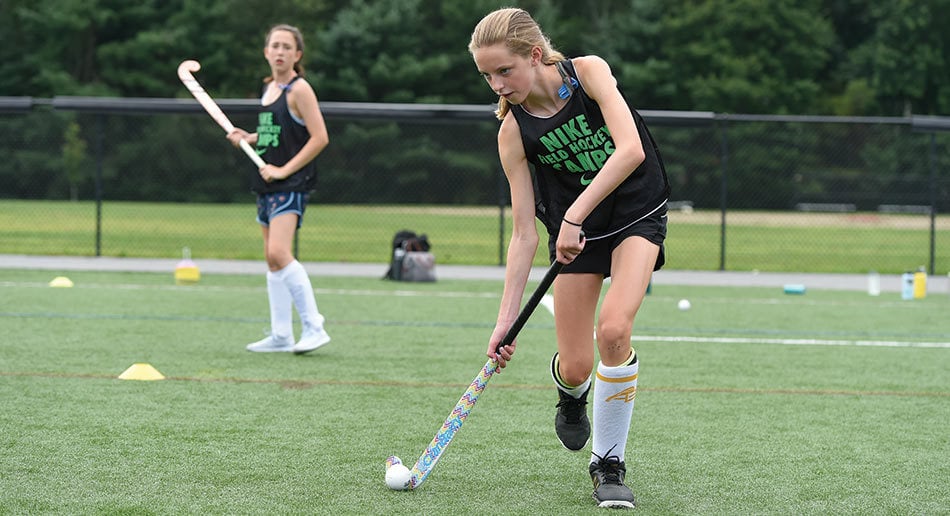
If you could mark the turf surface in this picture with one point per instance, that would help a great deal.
(752, 402)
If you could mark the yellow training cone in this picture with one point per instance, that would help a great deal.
(141, 372)
(61, 281)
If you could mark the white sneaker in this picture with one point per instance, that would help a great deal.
(311, 340)
(271, 344)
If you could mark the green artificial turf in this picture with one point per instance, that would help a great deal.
(752, 402)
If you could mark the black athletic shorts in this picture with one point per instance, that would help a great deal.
(596, 257)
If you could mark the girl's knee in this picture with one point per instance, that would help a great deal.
(574, 371)
(614, 332)
(277, 261)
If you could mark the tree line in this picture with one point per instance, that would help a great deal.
(831, 57)
(781, 57)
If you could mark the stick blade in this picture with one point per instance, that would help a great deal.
(188, 67)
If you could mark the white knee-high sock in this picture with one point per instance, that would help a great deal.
(298, 283)
(614, 393)
(281, 307)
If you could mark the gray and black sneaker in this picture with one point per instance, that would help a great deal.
(609, 489)
(571, 423)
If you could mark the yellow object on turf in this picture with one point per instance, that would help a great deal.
(141, 371)
(920, 284)
(186, 272)
(61, 282)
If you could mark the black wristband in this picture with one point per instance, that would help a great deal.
(571, 223)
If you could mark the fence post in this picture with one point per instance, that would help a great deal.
(933, 203)
(99, 138)
(723, 192)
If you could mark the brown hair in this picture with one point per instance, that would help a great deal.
(519, 32)
(298, 38)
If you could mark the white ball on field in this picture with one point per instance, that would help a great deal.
(397, 477)
(684, 304)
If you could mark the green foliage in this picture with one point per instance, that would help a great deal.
(912, 48)
(857, 99)
(60, 41)
(742, 56)
(398, 51)
(131, 49)
(33, 161)
(747, 56)
(633, 42)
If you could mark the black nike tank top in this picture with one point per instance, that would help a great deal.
(280, 138)
(569, 148)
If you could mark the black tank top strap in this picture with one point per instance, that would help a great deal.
(286, 87)
(570, 83)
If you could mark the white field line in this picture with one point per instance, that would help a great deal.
(205, 288)
(793, 342)
(547, 301)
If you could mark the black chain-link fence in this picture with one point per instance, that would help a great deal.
(147, 177)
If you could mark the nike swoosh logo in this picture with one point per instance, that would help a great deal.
(585, 181)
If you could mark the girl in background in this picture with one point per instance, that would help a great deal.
(290, 133)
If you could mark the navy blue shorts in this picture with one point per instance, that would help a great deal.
(270, 205)
(597, 255)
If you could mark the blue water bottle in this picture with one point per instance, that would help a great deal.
(907, 285)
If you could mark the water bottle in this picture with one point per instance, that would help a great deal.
(399, 254)
(907, 285)
(186, 272)
(874, 283)
(920, 283)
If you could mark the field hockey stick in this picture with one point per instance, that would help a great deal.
(453, 423)
(185, 72)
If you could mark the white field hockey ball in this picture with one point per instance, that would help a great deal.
(397, 477)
